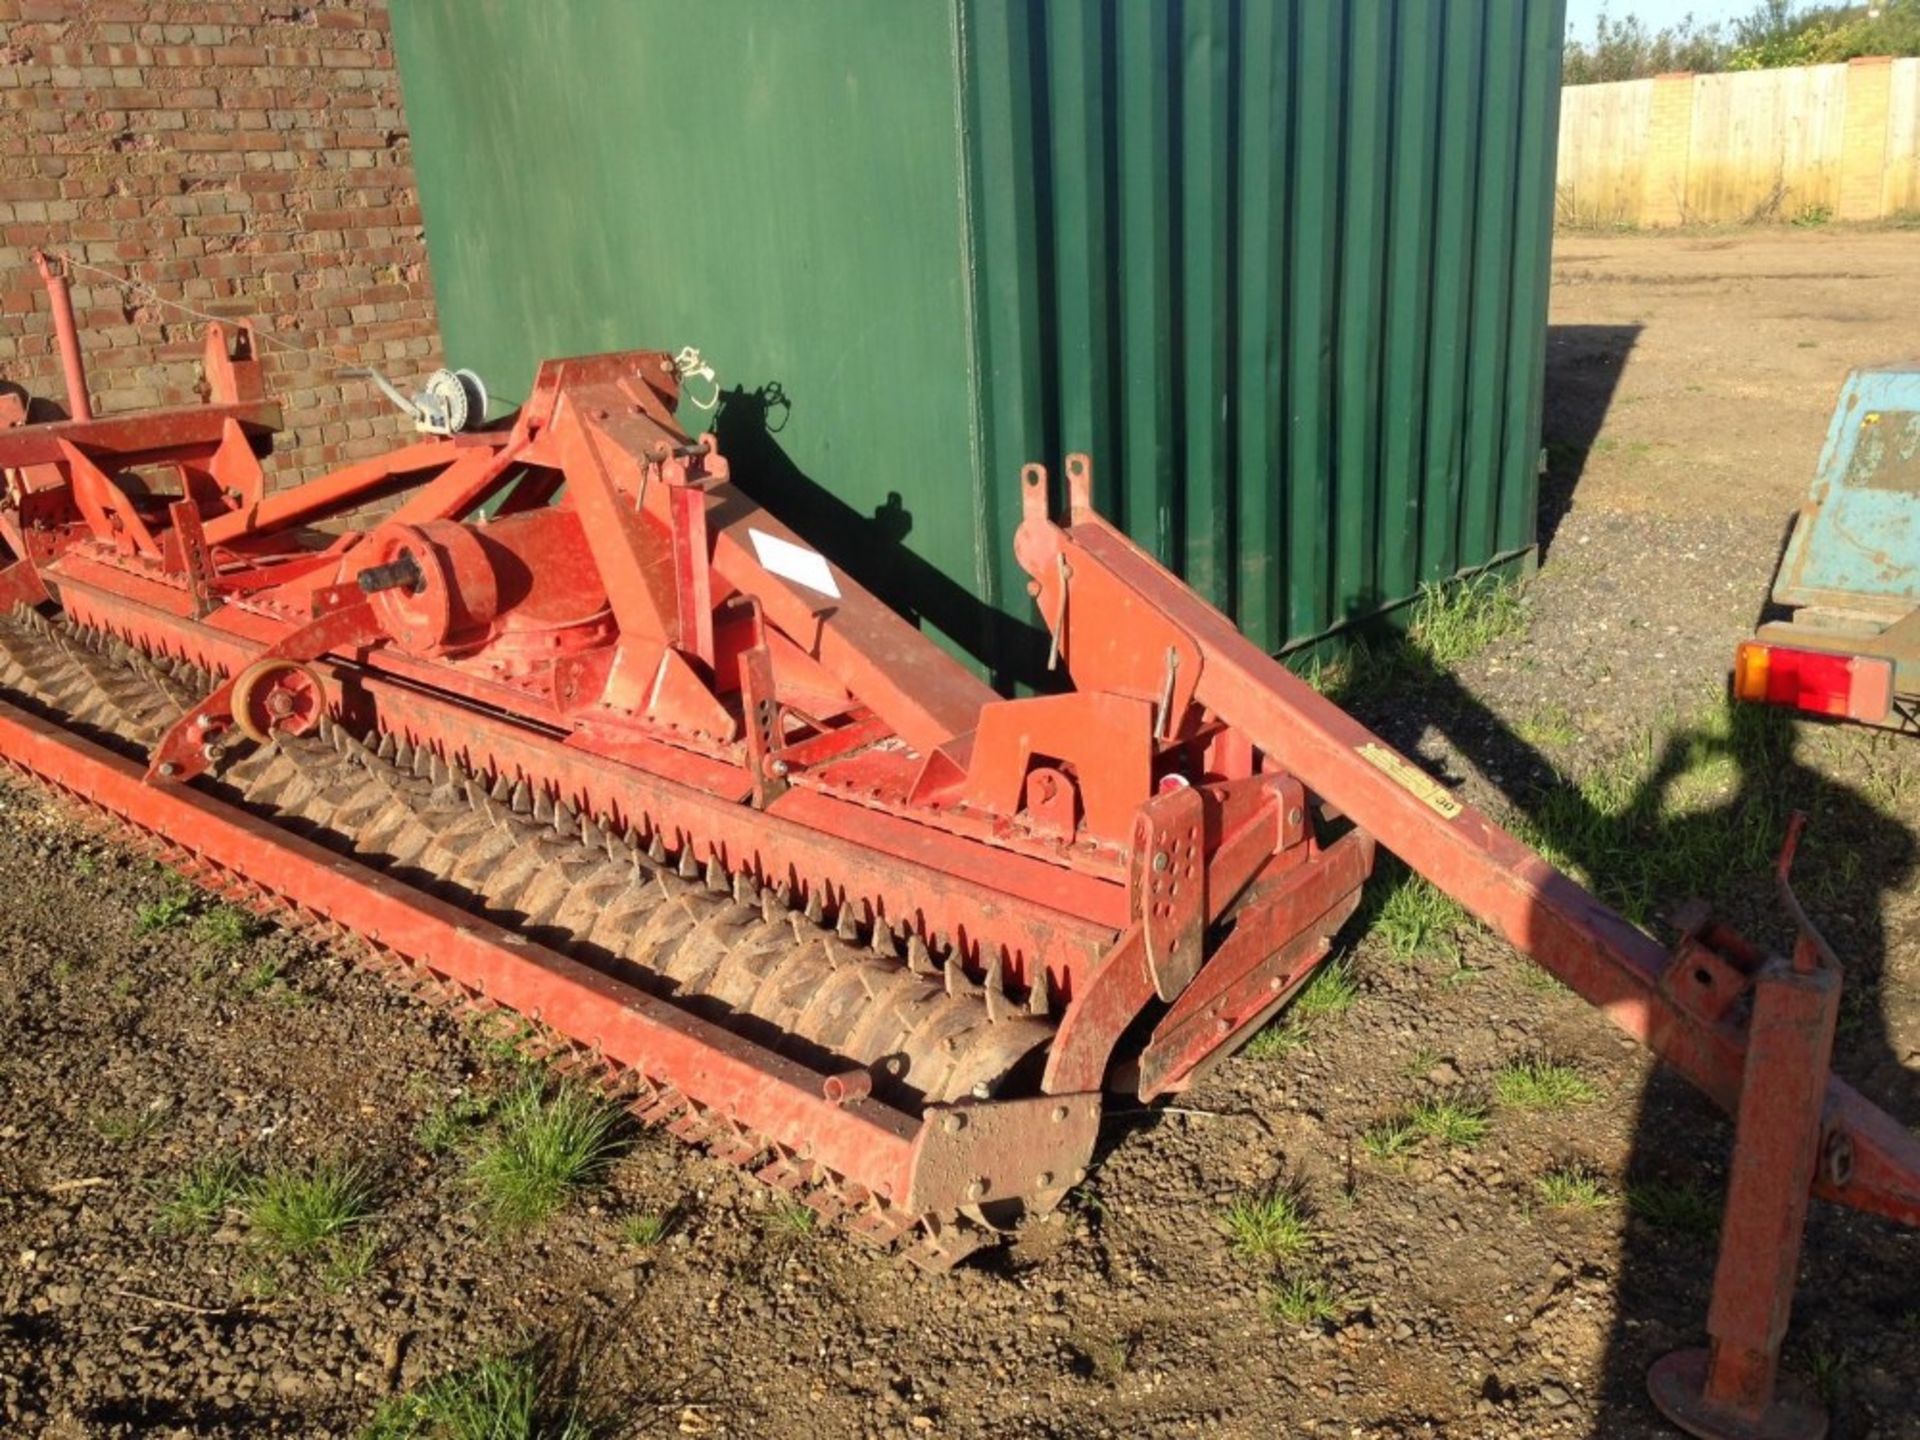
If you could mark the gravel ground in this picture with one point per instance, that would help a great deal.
(1690, 380)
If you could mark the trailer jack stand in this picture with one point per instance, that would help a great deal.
(1727, 1391)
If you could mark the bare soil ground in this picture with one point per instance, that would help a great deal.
(1441, 1292)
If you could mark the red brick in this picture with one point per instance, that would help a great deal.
(235, 162)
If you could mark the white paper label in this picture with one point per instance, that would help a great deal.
(793, 562)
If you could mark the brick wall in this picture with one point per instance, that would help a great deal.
(241, 159)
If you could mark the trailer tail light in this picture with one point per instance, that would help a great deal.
(1858, 687)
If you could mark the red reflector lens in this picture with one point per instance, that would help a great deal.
(1816, 681)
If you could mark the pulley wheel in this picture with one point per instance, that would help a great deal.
(275, 696)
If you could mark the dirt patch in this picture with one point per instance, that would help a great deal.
(1439, 1291)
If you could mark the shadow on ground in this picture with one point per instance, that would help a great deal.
(1699, 809)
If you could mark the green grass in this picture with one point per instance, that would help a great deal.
(443, 1128)
(262, 977)
(515, 1397)
(1301, 1300)
(1453, 623)
(167, 913)
(350, 1257)
(1549, 725)
(225, 927)
(1680, 1207)
(1271, 1227)
(1330, 992)
(546, 1144)
(299, 1210)
(1536, 1083)
(1446, 626)
(1420, 1063)
(1830, 1371)
(1455, 1121)
(130, 1127)
(1390, 1139)
(202, 1196)
(1415, 919)
(1281, 1036)
(1569, 1187)
(1674, 810)
(646, 1231)
(791, 1219)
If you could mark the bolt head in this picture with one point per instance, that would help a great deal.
(1060, 1113)
(954, 1123)
(1160, 861)
(978, 1189)
(1044, 1180)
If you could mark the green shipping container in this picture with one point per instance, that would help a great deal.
(1280, 266)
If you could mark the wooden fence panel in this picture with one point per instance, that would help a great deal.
(1830, 140)
(1604, 132)
(1903, 140)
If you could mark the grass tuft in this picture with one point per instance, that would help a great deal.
(1453, 623)
(1330, 992)
(1415, 918)
(350, 1258)
(1536, 1083)
(1390, 1139)
(202, 1196)
(299, 1210)
(168, 912)
(791, 1219)
(515, 1397)
(1681, 1207)
(1570, 1187)
(1270, 1227)
(1280, 1037)
(444, 1127)
(646, 1231)
(1301, 1300)
(546, 1144)
(225, 927)
(130, 1127)
(1455, 1121)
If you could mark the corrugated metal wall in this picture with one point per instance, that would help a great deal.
(1282, 269)
(1280, 265)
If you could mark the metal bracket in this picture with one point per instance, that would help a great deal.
(761, 713)
(975, 1153)
(1167, 881)
(195, 560)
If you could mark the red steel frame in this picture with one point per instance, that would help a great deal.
(1180, 836)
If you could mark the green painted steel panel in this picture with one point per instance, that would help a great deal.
(1280, 265)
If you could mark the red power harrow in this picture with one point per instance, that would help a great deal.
(581, 732)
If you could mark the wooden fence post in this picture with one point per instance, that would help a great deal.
(1863, 154)
(1663, 196)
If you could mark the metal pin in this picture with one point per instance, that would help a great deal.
(1163, 720)
(1060, 611)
